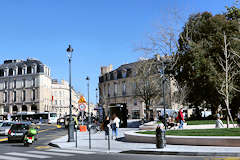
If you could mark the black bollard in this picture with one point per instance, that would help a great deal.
(160, 138)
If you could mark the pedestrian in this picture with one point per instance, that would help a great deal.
(160, 117)
(106, 126)
(219, 123)
(115, 126)
(180, 118)
(238, 119)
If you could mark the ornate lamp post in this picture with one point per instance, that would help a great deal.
(70, 125)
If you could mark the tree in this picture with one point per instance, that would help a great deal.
(230, 64)
(147, 84)
(199, 48)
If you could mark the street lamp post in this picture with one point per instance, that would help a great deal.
(89, 115)
(163, 83)
(96, 96)
(70, 125)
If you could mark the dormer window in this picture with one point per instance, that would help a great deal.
(19, 70)
(1, 72)
(10, 72)
(115, 75)
(124, 73)
(29, 70)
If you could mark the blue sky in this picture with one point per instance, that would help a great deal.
(102, 32)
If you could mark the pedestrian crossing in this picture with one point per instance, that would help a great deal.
(52, 153)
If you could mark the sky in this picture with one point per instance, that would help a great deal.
(101, 32)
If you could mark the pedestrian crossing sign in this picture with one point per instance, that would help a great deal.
(81, 100)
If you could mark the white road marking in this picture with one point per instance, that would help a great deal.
(71, 151)
(11, 158)
(50, 153)
(27, 155)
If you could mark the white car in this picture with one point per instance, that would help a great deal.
(4, 128)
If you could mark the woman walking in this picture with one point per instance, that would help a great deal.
(115, 126)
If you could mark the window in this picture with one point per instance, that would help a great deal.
(33, 82)
(115, 89)
(135, 102)
(108, 90)
(10, 72)
(124, 73)
(29, 70)
(14, 96)
(14, 84)
(1, 72)
(24, 96)
(5, 96)
(33, 95)
(24, 71)
(19, 71)
(38, 69)
(124, 88)
(5, 84)
(55, 102)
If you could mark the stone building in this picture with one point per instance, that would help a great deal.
(25, 86)
(117, 92)
(60, 98)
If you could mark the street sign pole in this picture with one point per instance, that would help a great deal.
(82, 117)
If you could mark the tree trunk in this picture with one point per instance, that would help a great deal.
(147, 113)
(227, 121)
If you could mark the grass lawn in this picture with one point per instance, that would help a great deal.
(198, 122)
(201, 132)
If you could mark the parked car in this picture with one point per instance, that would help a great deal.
(4, 128)
(18, 131)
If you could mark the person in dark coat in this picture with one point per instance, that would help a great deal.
(106, 126)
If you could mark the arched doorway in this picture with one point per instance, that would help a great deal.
(24, 108)
(34, 108)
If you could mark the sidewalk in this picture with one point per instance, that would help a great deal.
(99, 144)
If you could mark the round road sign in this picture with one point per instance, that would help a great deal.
(82, 106)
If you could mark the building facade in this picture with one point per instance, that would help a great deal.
(60, 98)
(25, 86)
(117, 92)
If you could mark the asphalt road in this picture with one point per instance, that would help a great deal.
(47, 133)
(41, 150)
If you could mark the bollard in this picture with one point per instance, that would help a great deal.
(160, 138)
(108, 138)
(76, 135)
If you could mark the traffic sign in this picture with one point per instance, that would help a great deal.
(81, 100)
(82, 106)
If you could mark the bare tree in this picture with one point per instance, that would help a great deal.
(230, 64)
(181, 94)
(147, 84)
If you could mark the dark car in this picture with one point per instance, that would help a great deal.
(18, 131)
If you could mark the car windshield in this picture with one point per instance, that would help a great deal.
(7, 124)
(20, 126)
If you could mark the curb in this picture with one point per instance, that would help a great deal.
(233, 154)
